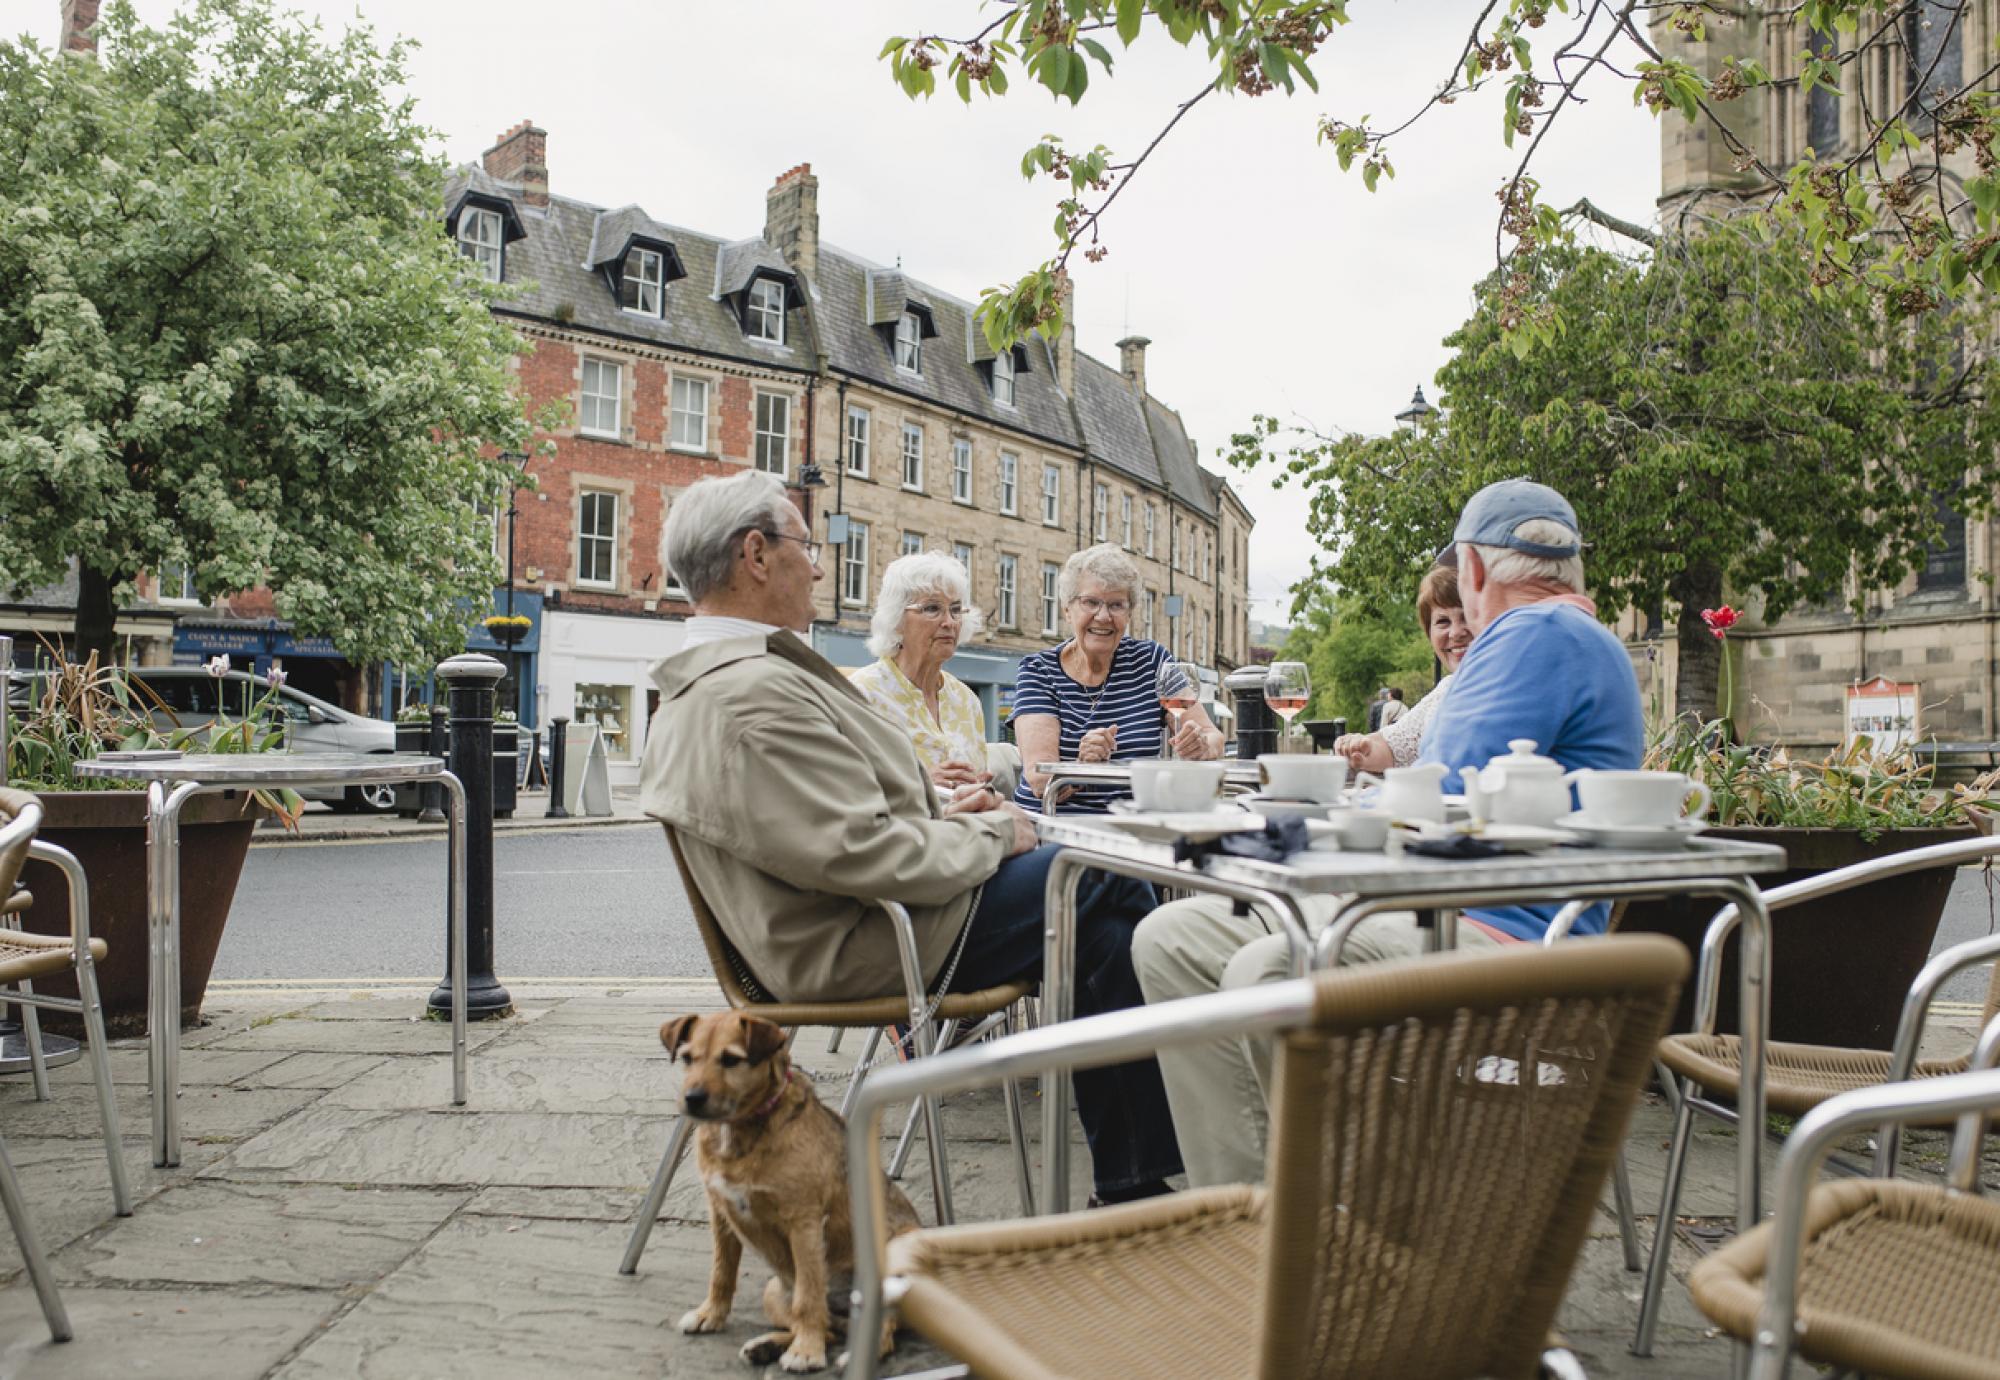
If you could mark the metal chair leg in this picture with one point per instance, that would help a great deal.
(833, 1040)
(31, 1248)
(1018, 1134)
(860, 1068)
(31, 1031)
(1663, 1229)
(100, 1070)
(663, 1178)
(1628, 1222)
(900, 1160)
(933, 1107)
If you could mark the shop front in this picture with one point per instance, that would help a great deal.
(596, 668)
(313, 665)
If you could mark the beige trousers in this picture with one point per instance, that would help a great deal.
(1219, 1092)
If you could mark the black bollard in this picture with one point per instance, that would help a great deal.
(472, 678)
(435, 745)
(558, 742)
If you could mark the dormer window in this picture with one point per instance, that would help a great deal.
(1003, 378)
(910, 343)
(642, 284)
(479, 240)
(764, 313)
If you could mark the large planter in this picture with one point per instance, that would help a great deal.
(107, 832)
(1840, 965)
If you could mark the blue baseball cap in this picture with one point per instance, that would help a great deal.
(1492, 514)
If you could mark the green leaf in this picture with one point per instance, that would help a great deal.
(1130, 13)
(1096, 50)
(962, 82)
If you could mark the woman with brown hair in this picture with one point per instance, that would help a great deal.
(1443, 619)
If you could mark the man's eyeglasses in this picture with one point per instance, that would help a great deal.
(813, 548)
(1117, 608)
(936, 612)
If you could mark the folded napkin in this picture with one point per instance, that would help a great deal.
(1276, 841)
(1454, 846)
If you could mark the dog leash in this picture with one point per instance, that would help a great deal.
(903, 1044)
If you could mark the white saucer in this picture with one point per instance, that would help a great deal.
(1166, 826)
(1272, 807)
(1511, 838)
(1657, 837)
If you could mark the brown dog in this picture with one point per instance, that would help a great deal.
(774, 1161)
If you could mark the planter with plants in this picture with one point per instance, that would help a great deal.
(72, 712)
(508, 628)
(1842, 964)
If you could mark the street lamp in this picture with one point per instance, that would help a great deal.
(810, 478)
(1418, 412)
(519, 459)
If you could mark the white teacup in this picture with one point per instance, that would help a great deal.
(1361, 831)
(1176, 786)
(1639, 798)
(1302, 776)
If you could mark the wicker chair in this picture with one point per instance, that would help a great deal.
(1875, 1275)
(991, 1006)
(23, 958)
(1799, 1078)
(1443, 1128)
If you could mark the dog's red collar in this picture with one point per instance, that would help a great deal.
(772, 1105)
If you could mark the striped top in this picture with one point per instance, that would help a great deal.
(1129, 698)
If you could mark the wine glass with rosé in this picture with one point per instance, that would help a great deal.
(1286, 689)
(1180, 691)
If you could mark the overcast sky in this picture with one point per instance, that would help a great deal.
(1267, 280)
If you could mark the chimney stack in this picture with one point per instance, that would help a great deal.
(78, 17)
(1066, 341)
(521, 156)
(1132, 361)
(791, 219)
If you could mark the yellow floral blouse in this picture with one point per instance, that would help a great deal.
(959, 733)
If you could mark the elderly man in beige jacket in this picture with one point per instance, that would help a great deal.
(796, 804)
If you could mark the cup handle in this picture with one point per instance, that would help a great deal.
(1700, 811)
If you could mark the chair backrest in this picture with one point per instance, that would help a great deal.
(13, 841)
(739, 985)
(1442, 1134)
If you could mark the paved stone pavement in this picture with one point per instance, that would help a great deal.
(335, 1217)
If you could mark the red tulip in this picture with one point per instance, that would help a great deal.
(1721, 620)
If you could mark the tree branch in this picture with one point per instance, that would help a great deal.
(1631, 230)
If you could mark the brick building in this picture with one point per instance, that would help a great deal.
(1937, 629)
(685, 354)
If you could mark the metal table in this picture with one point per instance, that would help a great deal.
(1373, 882)
(1237, 775)
(171, 783)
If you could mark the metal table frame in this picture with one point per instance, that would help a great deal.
(170, 784)
(1237, 775)
(1377, 882)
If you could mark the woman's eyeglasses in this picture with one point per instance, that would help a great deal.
(1117, 608)
(937, 612)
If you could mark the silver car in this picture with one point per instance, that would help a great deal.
(192, 698)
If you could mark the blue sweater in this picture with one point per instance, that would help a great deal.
(1553, 673)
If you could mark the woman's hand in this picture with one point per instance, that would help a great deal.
(1196, 742)
(949, 776)
(1098, 744)
(1365, 751)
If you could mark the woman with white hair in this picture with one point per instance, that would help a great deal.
(923, 610)
(1096, 698)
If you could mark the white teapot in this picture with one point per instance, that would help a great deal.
(1518, 788)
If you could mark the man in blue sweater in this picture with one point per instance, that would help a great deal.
(1540, 666)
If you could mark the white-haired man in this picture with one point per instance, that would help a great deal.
(1540, 666)
(797, 805)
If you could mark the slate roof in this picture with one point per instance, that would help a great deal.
(555, 276)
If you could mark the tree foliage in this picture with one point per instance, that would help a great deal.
(1352, 646)
(1894, 212)
(233, 336)
(1721, 430)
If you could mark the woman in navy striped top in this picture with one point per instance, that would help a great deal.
(1095, 698)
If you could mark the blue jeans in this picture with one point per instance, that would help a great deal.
(1124, 1107)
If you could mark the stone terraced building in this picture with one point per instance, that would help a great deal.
(872, 393)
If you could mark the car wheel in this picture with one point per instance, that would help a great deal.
(372, 800)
